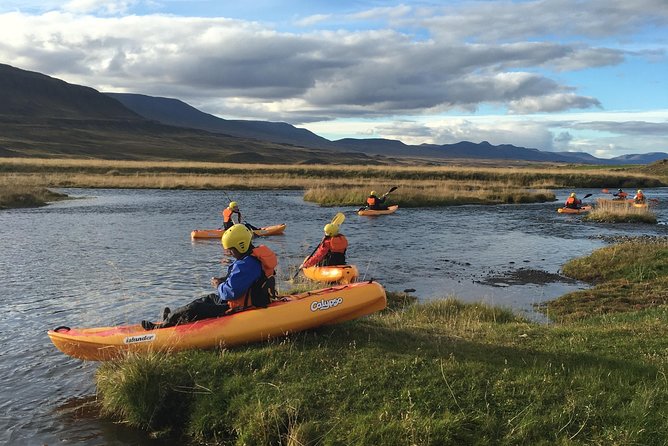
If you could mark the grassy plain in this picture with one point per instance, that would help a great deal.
(434, 373)
(419, 184)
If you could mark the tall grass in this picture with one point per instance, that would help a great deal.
(609, 211)
(15, 194)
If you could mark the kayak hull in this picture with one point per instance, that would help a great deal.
(332, 274)
(582, 210)
(371, 212)
(291, 314)
(218, 233)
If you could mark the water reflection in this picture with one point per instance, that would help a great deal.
(120, 256)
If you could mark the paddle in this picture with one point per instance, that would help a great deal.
(338, 219)
(392, 189)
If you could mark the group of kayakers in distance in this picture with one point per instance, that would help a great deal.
(573, 202)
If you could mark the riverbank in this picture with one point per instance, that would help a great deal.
(418, 185)
(15, 196)
(440, 372)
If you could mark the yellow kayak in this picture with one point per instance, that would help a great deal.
(290, 314)
(331, 274)
(389, 210)
(218, 233)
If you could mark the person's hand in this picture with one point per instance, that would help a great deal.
(215, 281)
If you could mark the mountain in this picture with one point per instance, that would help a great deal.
(46, 117)
(178, 113)
(175, 112)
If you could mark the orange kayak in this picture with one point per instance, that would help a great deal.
(218, 233)
(582, 210)
(389, 210)
(289, 314)
(331, 274)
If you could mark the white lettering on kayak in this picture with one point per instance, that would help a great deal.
(136, 339)
(325, 304)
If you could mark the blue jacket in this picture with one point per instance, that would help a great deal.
(240, 276)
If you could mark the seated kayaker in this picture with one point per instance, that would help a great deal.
(639, 197)
(573, 202)
(249, 282)
(228, 212)
(374, 202)
(620, 195)
(332, 249)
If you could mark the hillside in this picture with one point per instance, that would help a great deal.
(46, 117)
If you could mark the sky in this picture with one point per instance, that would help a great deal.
(556, 75)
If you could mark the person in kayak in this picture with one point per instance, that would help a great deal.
(573, 202)
(639, 197)
(374, 202)
(332, 249)
(249, 283)
(620, 195)
(228, 213)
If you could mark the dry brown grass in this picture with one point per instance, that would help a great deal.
(611, 211)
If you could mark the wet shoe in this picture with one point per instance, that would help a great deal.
(148, 325)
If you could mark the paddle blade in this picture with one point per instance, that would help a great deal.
(392, 189)
(338, 219)
(586, 196)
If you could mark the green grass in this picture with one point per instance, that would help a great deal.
(435, 373)
(627, 276)
(17, 196)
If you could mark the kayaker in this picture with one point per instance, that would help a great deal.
(620, 195)
(332, 249)
(639, 197)
(228, 212)
(573, 202)
(249, 282)
(375, 202)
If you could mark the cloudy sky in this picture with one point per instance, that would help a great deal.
(559, 75)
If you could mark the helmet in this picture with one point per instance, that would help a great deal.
(373, 192)
(233, 204)
(619, 190)
(331, 229)
(573, 194)
(639, 191)
(238, 236)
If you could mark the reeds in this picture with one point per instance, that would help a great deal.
(620, 211)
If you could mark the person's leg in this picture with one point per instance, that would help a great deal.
(202, 308)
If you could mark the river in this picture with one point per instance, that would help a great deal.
(118, 256)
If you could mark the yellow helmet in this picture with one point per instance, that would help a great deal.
(573, 195)
(238, 236)
(331, 229)
(373, 192)
(233, 204)
(639, 191)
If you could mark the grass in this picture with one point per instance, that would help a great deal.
(17, 195)
(631, 275)
(609, 211)
(433, 373)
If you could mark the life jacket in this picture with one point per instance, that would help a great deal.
(572, 202)
(640, 198)
(338, 243)
(264, 288)
(227, 215)
(371, 201)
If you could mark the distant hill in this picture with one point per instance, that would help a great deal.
(178, 113)
(44, 116)
(47, 117)
(175, 112)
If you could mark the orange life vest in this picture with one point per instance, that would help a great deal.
(371, 201)
(338, 243)
(268, 261)
(227, 215)
(571, 201)
(640, 198)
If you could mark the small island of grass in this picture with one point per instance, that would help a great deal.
(17, 196)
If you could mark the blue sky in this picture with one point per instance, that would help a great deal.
(559, 75)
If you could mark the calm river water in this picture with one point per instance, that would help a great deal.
(119, 256)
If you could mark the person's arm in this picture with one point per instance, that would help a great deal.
(242, 275)
(318, 255)
(239, 217)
